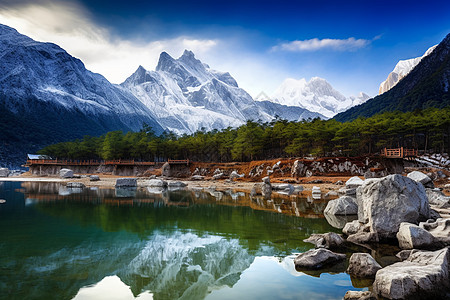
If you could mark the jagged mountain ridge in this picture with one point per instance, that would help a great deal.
(45, 72)
(186, 95)
(315, 95)
(427, 85)
(402, 68)
(48, 96)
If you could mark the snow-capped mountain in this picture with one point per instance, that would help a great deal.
(402, 68)
(35, 73)
(186, 95)
(48, 96)
(315, 95)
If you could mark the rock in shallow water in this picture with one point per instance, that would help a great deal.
(351, 227)
(328, 240)
(317, 258)
(344, 205)
(423, 275)
(411, 236)
(126, 182)
(363, 265)
(383, 204)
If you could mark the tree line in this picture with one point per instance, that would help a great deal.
(427, 130)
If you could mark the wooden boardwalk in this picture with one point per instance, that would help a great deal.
(399, 153)
(116, 162)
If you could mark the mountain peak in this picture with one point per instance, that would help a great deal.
(402, 68)
(188, 54)
(6, 29)
(188, 58)
(165, 61)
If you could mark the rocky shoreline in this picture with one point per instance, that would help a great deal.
(398, 210)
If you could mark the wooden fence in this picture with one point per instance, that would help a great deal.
(399, 153)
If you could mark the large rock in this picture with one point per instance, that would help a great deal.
(126, 182)
(66, 173)
(385, 203)
(317, 258)
(329, 240)
(4, 172)
(94, 178)
(438, 198)
(156, 183)
(423, 275)
(411, 236)
(351, 227)
(342, 206)
(419, 177)
(363, 265)
(440, 229)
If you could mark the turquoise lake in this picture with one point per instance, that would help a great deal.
(59, 243)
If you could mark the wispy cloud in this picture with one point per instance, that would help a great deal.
(72, 27)
(350, 44)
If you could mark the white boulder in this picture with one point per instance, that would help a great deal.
(344, 205)
(440, 229)
(156, 183)
(351, 227)
(423, 275)
(317, 258)
(66, 173)
(385, 203)
(363, 265)
(411, 236)
(419, 177)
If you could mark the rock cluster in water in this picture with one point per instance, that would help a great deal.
(406, 210)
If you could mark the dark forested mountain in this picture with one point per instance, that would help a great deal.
(427, 85)
(48, 96)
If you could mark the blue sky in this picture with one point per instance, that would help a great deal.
(352, 44)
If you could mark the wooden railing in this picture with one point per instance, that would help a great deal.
(129, 162)
(178, 161)
(399, 152)
(67, 162)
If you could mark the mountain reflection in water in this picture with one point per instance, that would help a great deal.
(152, 245)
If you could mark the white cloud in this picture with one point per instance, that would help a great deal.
(349, 44)
(70, 26)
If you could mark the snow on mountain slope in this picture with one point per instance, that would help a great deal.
(33, 72)
(402, 68)
(185, 95)
(315, 95)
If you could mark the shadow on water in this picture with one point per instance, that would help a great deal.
(175, 244)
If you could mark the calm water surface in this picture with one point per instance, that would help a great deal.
(59, 243)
